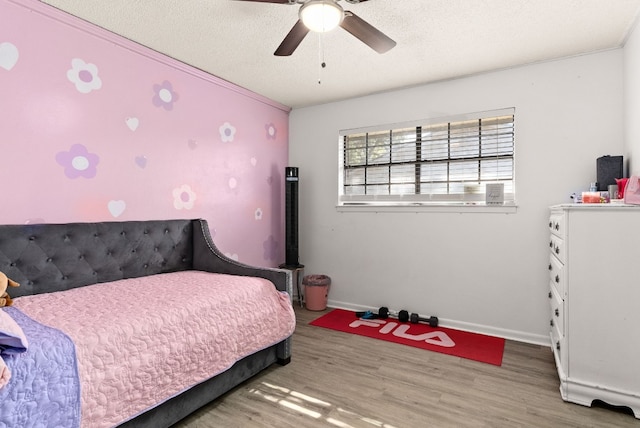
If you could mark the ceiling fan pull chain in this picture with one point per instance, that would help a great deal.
(320, 58)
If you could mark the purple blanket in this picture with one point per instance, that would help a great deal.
(44, 380)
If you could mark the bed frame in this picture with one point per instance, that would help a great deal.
(51, 257)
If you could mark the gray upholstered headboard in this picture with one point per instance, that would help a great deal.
(53, 257)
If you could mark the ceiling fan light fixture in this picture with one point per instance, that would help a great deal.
(321, 15)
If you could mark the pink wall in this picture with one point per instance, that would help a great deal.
(96, 128)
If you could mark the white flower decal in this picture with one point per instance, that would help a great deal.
(271, 131)
(183, 197)
(227, 132)
(258, 214)
(84, 76)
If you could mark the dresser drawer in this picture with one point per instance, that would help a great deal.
(557, 247)
(557, 224)
(557, 310)
(559, 348)
(557, 276)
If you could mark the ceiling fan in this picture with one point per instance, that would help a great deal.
(325, 15)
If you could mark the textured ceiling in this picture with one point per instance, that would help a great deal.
(436, 40)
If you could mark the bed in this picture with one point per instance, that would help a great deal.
(125, 323)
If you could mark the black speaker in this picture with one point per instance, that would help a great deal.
(608, 169)
(291, 217)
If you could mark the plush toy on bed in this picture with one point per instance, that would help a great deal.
(5, 300)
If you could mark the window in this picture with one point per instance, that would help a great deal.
(439, 161)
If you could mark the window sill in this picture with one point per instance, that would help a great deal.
(431, 207)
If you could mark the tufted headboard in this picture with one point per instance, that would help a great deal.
(52, 257)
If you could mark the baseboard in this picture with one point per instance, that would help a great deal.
(518, 336)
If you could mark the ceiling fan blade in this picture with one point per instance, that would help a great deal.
(367, 33)
(292, 40)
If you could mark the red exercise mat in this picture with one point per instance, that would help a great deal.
(473, 346)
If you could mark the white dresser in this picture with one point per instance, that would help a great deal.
(594, 297)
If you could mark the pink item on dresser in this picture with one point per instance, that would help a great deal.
(632, 191)
(622, 184)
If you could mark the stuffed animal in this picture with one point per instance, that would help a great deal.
(5, 300)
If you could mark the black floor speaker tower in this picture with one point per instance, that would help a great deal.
(291, 217)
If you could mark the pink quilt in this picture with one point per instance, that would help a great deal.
(141, 341)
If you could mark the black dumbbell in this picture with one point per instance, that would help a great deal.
(384, 313)
(432, 321)
(402, 316)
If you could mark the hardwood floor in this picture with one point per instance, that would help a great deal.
(343, 380)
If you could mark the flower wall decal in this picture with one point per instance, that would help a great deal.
(164, 95)
(84, 76)
(227, 132)
(183, 197)
(78, 162)
(271, 131)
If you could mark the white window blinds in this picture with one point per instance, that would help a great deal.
(446, 160)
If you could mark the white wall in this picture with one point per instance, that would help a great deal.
(632, 102)
(484, 272)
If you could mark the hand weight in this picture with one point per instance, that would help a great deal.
(432, 321)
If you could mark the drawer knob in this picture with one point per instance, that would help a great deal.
(550, 295)
(550, 267)
(550, 224)
(550, 244)
(551, 323)
(557, 226)
(558, 345)
(557, 278)
(557, 312)
(557, 249)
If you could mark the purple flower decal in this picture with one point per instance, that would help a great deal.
(270, 248)
(78, 162)
(271, 131)
(164, 95)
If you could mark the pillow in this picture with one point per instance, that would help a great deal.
(5, 374)
(12, 338)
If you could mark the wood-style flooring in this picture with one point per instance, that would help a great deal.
(342, 380)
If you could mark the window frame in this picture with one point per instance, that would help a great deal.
(438, 202)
